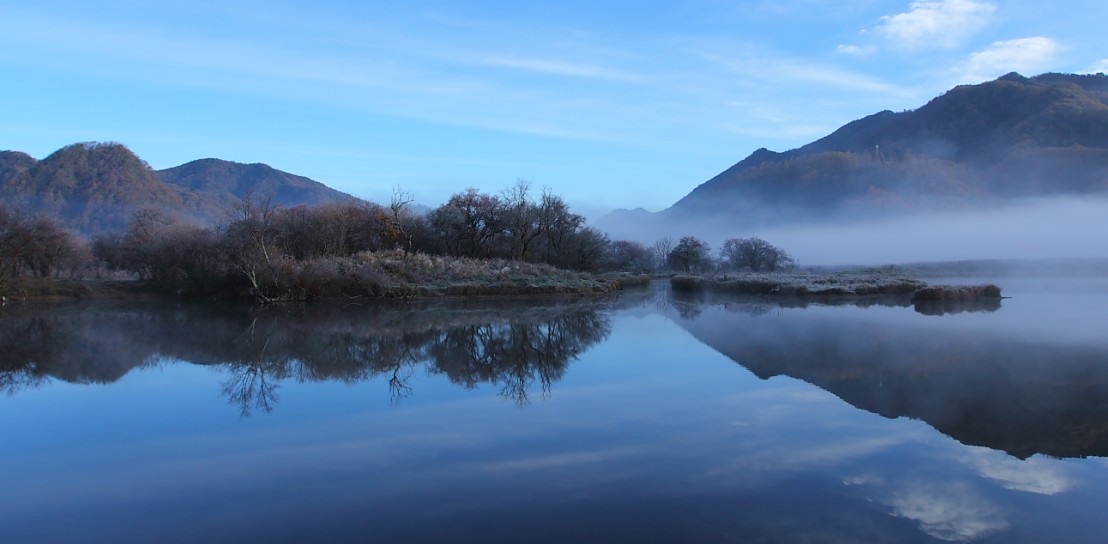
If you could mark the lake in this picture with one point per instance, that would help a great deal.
(643, 417)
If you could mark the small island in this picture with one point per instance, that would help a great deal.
(839, 284)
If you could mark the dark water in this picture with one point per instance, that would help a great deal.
(646, 417)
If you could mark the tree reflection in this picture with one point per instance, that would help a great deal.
(519, 348)
(25, 346)
(253, 385)
(38, 344)
(251, 388)
(515, 355)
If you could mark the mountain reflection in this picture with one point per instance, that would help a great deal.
(988, 388)
(521, 348)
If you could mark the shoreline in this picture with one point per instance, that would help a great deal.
(770, 286)
(68, 290)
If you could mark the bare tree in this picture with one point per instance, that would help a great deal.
(35, 245)
(250, 244)
(690, 255)
(754, 254)
(468, 223)
(399, 207)
(629, 256)
(661, 251)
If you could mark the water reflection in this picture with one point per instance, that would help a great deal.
(652, 437)
(946, 307)
(519, 348)
(982, 387)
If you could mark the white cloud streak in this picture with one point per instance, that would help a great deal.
(561, 68)
(936, 24)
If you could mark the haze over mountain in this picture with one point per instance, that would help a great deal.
(96, 187)
(974, 147)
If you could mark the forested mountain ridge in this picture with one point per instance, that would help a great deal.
(1008, 138)
(96, 187)
(229, 182)
(90, 187)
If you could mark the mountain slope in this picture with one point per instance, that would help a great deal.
(974, 142)
(92, 187)
(226, 183)
(974, 145)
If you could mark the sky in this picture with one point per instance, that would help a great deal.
(615, 104)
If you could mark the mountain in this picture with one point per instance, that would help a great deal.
(96, 187)
(976, 144)
(91, 187)
(226, 183)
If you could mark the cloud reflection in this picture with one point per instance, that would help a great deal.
(1034, 475)
(953, 512)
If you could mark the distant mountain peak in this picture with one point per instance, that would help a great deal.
(1013, 76)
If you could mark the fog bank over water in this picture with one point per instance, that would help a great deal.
(1034, 229)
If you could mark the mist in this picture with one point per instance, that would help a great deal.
(1058, 227)
(1039, 228)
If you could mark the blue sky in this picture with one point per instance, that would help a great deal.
(609, 104)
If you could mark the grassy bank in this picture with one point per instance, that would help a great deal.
(381, 274)
(394, 274)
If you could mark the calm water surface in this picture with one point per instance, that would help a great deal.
(648, 417)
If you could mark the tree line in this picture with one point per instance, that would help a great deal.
(36, 246)
(269, 251)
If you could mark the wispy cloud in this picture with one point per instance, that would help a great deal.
(389, 78)
(762, 66)
(942, 24)
(562, 68)
(1025, 55)
(1099, 68)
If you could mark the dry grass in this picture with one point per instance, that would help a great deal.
(798, 284)
(395, 274)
